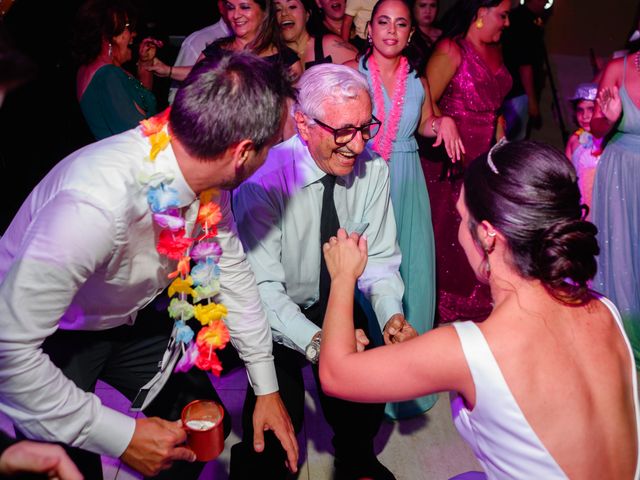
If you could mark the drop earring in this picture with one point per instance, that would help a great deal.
(110, 53)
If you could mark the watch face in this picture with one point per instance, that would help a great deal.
(312, 352)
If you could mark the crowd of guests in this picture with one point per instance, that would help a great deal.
(372, 184)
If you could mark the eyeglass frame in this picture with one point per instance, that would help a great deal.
(334, 131)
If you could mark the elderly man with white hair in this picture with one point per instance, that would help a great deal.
(319, 180)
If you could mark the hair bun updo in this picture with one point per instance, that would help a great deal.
(565, 259)
(529, 192)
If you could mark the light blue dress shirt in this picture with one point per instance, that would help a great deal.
(278, 215)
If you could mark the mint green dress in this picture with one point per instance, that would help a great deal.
(412, 210)
(109, 102)
(616, 213)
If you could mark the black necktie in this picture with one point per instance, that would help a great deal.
(329, 225)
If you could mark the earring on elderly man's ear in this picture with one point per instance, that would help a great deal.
(479, 23)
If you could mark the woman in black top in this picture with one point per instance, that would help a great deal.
(292, 17)
(254, 27)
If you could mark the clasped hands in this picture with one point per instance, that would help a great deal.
(147, 51)
(346, 256)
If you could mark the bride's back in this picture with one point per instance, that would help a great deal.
(561, 350)
(570, 371)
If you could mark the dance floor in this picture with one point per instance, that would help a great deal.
(422, 448)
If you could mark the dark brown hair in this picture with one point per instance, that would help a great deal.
(406, 52)
(528, 191)
(97, 20)
(268, 34)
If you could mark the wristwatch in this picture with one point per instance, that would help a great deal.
(312, 352)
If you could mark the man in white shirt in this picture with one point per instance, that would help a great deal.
(281, 213)
(194, 44)
(79, 261)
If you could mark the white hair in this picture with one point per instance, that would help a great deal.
(328, 82)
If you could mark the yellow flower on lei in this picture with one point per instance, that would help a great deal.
(159, 142)
(181, 286)
(209, 313)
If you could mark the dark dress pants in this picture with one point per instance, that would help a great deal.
(354, 425)
(126, 358)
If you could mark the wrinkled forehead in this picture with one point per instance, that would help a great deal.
(348, 109)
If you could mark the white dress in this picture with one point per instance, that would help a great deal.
(496, 430)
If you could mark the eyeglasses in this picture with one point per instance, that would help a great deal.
(344, 135)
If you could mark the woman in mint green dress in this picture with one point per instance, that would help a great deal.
(616, 191)
(111, 99)
(402, 103)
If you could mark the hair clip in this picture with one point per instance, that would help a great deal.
(492, 165)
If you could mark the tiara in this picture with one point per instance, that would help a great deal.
(498, 145)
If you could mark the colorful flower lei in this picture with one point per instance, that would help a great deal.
(383, 142)
(202, 282)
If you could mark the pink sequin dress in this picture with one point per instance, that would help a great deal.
(472, 99)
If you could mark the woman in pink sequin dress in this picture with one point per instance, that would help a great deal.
(468, 82)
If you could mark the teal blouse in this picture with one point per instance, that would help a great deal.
(109, 102)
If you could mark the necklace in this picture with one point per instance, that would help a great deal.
(202, 281)
(636, 61)
(383, 142)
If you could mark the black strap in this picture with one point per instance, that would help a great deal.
(318, 54)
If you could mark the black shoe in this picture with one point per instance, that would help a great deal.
(371, 469)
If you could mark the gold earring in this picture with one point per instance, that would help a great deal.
(479, 23)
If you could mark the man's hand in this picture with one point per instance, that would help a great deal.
(154, 446)
(361, 340)
(35, 457)
(270, 414)
(157, 67)
(398, 330)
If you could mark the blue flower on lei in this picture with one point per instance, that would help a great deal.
(205, 272)
(162, 198)
(184, 333)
